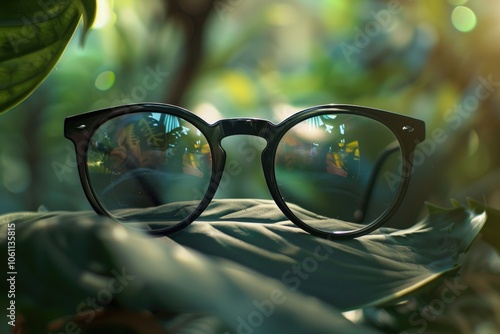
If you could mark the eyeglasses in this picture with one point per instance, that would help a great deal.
(336, 171)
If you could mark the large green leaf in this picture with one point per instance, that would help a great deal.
(382, 267)
(33, 36)
(82, 254)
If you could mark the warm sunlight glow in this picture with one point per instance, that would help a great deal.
(105, 14)
(208, 112)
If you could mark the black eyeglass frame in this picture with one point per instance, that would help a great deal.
(408, 131)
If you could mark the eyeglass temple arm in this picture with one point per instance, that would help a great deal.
(389, 149)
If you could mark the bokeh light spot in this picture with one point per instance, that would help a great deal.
(463, 19)
(105, 80)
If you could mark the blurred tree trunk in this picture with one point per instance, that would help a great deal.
(191, 16)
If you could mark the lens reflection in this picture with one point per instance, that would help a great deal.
(338, 172)
(149, 167)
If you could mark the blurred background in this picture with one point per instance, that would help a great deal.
(433, 60)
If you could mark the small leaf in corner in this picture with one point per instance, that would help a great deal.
(33, 36)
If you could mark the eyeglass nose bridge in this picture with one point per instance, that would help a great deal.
(246, 126)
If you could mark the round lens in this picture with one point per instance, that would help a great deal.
(149, 170)
(339, 172)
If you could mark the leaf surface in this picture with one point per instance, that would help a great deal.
(251, 255)
(33, 36)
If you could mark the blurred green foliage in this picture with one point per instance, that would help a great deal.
(434, 60)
